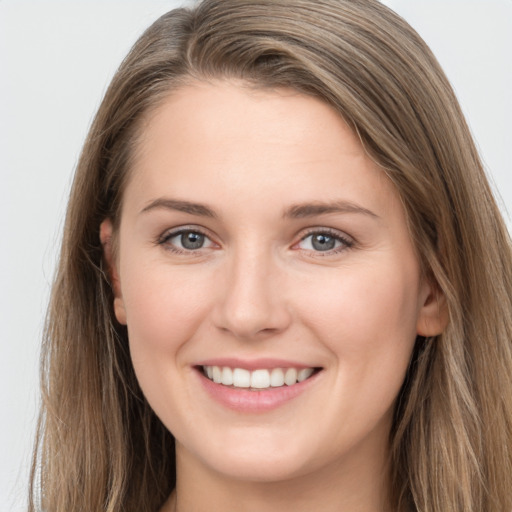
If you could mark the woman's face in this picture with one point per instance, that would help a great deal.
(259, 244)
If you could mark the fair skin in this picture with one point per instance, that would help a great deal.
(293, 252)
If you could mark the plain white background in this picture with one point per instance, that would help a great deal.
(56, 59)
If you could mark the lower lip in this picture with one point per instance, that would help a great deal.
(245, 400)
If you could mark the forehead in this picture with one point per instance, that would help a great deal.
(228, 141)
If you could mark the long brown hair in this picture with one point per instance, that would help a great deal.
(100, 447)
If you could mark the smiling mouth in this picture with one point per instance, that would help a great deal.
(259, 379)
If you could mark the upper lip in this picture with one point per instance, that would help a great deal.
(254, 364)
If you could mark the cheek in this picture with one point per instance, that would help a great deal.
(164, 308)
(361, 308)
(367, 320)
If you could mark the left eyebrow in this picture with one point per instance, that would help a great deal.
(180, 206)
(300, 211)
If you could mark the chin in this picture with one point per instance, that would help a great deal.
(258, 462)
(261, 470)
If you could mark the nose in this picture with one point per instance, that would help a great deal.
(251, 300)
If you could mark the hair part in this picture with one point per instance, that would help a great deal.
(100, 446)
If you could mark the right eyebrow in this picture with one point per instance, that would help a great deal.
(180, 206)
(300, 211)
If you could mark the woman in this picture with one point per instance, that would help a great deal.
(284, 281)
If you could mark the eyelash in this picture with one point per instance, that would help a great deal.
(168, 235)
(346, 243)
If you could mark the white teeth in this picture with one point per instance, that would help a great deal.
(241, 378)
(277, 378)
(290, 377)
(257, 379)
(217, 375)
(227, 376)
(304, 374)
(260, 379)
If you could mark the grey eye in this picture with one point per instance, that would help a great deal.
(322, 242)
(191, 240)
(185, 240)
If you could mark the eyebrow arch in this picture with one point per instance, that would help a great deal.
(180, 206)
(300, 211)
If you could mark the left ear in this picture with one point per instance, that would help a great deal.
(433, 313)
(106, 231)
